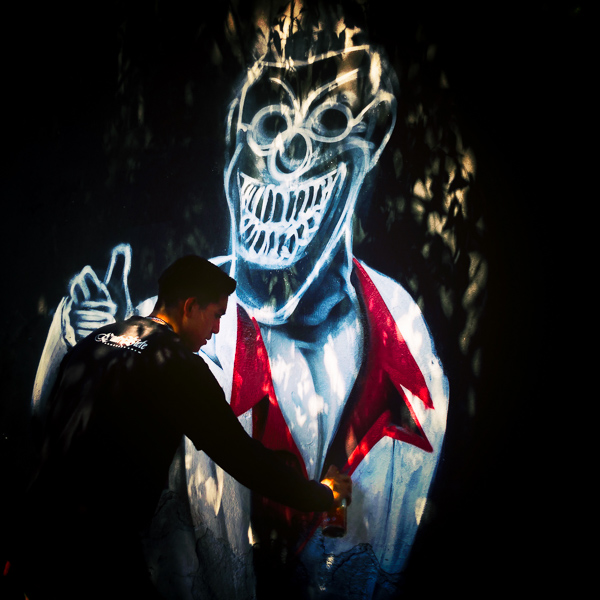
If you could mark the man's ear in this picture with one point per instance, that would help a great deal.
(188, 305)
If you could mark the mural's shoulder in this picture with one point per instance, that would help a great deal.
(410, 321)
(144, 308)
(396, 297)
(225, 262)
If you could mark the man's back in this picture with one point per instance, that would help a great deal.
(115, 418)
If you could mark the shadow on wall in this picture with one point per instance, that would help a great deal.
(139, 154)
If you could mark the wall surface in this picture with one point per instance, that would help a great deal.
(363, 174)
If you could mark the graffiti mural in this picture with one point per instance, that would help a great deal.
(394, 297)
(322, 357)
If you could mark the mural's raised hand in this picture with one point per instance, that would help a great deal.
(94, 303)
(91, 303)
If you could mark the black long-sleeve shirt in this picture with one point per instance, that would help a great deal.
(124, 397)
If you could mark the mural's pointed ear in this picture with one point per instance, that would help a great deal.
(379, 118)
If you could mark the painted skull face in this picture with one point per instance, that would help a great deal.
(303, 135)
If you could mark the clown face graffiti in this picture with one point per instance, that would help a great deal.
(302, 137)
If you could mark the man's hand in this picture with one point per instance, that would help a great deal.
(340, 484)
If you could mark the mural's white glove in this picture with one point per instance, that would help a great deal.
(93, 303)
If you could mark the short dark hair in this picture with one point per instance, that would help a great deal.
(193, 277)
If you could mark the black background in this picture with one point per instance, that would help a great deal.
(520, 80)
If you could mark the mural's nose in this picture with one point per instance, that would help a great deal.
(293, 154)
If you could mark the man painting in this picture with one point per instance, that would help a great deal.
(125, 396)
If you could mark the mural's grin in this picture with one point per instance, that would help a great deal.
(277, 222)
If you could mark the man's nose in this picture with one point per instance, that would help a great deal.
(216, 326)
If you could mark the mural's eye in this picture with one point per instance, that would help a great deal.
(330, 122)
(267, 124)
(272, 125)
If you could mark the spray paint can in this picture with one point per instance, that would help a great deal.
(334, 521)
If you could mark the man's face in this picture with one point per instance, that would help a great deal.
(199, 324)
(302, 150)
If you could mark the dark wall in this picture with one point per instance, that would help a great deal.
(114, 126)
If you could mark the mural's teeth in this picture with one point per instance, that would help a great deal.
(278, 207)
(277, 221)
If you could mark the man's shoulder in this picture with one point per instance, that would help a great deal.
(137, 336)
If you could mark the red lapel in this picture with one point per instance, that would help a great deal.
(377, 407)
(253, 388)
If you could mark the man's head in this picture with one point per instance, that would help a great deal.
(192, 295)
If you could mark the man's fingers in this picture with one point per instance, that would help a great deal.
(340, 484)
(332, 472)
